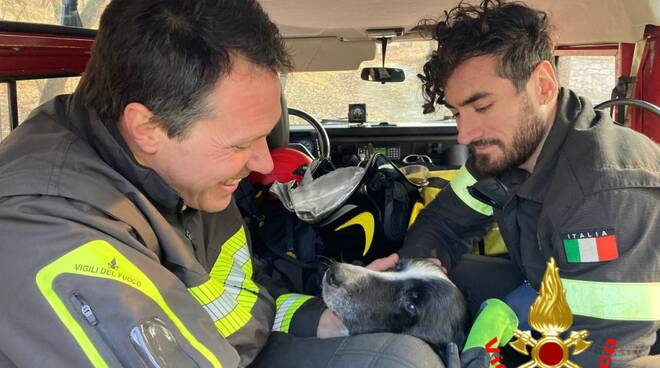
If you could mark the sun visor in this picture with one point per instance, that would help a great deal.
(329, 53)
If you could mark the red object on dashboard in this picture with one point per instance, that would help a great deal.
(288, 164)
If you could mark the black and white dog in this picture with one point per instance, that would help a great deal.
(416, 298)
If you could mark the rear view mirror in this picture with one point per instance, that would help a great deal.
(383, 75)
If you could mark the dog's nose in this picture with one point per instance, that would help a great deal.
(332, 275)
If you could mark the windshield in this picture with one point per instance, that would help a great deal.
(58, 12)
(326, 95)
(391, 102)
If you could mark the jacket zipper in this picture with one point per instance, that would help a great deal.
(87, 312)
(85, 309)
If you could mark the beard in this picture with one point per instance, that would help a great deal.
(526, 139)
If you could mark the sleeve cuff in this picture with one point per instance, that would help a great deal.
(298, 314)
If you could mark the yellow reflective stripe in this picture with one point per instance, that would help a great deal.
(459, 185)
(287, 305)
(100, 259)
(229, 295)
(619, 301)
(366, 221)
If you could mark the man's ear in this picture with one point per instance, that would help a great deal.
(141, 130)
(546, 82)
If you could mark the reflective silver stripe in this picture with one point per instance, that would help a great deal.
(287, 305)
(228, 300)
(279, 317)
(229, 295)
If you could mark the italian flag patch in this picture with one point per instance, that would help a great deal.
(590, 246)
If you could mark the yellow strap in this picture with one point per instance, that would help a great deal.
(459, 185)
(619, 301)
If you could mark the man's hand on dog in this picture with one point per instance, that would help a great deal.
(471, 358)
(384, 264)
(331, 326)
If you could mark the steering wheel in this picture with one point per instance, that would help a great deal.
(628, 101)
(322, 136)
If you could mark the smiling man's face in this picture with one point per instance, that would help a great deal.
(500, 125)
(205, 166)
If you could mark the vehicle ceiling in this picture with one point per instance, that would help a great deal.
(576, 21)
(316, 31)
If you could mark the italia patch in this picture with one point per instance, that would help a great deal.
(590, 246)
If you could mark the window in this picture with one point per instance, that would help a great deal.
(31, 94)
(326, 95)
(50, 11)
(4, 111)
(590, 76)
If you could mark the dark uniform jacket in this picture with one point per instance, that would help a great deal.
(592, 203)
(102, 265)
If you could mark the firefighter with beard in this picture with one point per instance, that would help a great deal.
(559, 178)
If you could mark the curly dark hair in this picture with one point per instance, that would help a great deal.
(518, 35)
(169, 55)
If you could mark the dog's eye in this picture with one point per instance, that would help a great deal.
(411, 308)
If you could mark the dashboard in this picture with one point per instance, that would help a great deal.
(351, 143)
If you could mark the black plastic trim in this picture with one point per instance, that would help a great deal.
(51, 29)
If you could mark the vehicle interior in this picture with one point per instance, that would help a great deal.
(332, 42)
(344, 35)
(354, 93)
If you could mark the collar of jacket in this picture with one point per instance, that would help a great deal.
(109, 144)
(572, 112)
